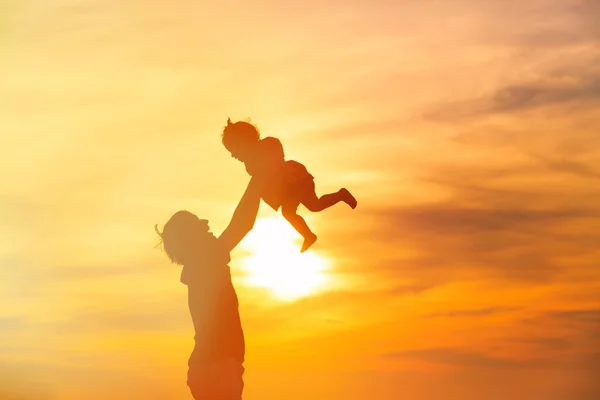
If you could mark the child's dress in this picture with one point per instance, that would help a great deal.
(283, 179)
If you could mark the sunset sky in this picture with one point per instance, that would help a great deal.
(469, 132)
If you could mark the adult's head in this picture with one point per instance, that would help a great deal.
(186, 238)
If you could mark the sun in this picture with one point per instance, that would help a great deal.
(275, 261)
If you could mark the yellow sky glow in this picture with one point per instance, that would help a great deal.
(468, 132)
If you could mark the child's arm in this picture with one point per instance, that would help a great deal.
(243, 217)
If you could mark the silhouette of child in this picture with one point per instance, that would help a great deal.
(285, 184)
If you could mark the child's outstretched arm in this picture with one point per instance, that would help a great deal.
(243, 217)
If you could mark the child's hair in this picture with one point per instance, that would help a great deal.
(240, 131)
(178, 236)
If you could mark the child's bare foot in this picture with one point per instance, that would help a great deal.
(348, 198)
(308, 241)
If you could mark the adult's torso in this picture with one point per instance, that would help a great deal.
(214, 308)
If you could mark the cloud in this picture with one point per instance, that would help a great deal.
(546, 343)
(550, 65)
(12, 324)
(569, 166)
(512, 223)
(571, 335)
(452, 219)
(93, 272)
(576, 27)
(492, 224)
(146, 318)
(583, 362)
(483, 312)
(514, 98)
(463, 358)
(545, 142)
(582, 317)
(589, 10)
(496, 241)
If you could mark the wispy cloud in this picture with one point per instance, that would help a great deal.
(463, 357)
(563, 89)
(470, 313)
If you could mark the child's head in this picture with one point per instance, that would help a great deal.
(239, 138)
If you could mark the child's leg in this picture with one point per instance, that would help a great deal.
(316, 204)
(288, 210)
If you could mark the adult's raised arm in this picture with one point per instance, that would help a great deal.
(243, 218)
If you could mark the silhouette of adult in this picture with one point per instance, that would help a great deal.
(216, 363)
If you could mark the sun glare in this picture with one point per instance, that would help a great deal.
(276, 263)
